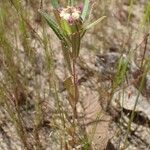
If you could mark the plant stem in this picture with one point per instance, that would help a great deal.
(75, 80)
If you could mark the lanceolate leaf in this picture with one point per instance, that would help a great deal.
(85, 9)
(94, 23)
(71, 91)
(55, 3)
(67, 56)
(53, 25)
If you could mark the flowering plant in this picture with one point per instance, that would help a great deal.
(70, 25)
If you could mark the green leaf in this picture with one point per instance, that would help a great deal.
(66, 27)
(68, 84)
(67, 56)
(94, 23)
(55, 3)
(71, 91)
(121, 71)
(53, 25)
(85, 9)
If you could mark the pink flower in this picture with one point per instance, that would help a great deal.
(70, 14)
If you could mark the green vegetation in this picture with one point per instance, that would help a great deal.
(41, 68)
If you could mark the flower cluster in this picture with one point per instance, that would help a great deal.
(70, 14)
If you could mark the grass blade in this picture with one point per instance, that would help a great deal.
(94, 23)
(147, 14)
(85, 9)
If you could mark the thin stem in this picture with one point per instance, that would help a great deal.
(133, 111)
(145, 48)
(76, 88)
(75, 115)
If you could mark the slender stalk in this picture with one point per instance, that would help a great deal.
(76, 88)
(145, 49)
(133, 111)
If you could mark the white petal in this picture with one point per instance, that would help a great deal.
(62, 13)
(66, 16)
(75, 15)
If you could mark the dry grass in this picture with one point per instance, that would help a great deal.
(34, 108)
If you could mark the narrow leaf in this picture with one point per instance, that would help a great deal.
(71, 91)
(67, 57)
(94, 23)
(85, 9)
(53, 25)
